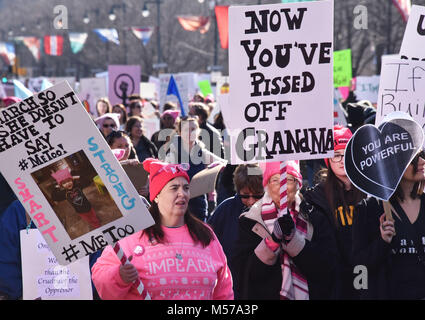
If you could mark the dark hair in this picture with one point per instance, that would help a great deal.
(108, 104)
(242, 178)
(110, 139)
(123, 118)
(333, 186)
(169, 106)
(131, 122)
(201, 110)
(198, 231)
(135, 104)
(399, 194)
(134, 96)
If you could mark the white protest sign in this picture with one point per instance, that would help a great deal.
(91, 90)
(281, 80)
(186, 84)
(148, 90)
(65, 175)
(413, 44)
(57, 80)
(401, 89)
(367, 88)
(43, 277)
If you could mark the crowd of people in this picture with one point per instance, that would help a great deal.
(235, 242)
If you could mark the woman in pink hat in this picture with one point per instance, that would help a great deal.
(178, 258)
(335, 197)
(278, 255)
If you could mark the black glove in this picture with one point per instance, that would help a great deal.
(283, 229)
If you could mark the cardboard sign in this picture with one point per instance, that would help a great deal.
(65, 175)
(367, 88)
(376, 157)
(148, 90)
(342, 68)
(91, 90)
(204, 181)
(401, 89)
(123, 81)
(137, 174)
(280, 70)
(414, 36)
(43, 278)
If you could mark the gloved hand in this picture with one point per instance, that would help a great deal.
(283, 229)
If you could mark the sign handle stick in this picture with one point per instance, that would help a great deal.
(283, 205)
(387, 209)
(123, 258)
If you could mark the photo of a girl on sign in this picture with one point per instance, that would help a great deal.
(71, 190)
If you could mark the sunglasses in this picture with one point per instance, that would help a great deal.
(111, 125)
(247, 196)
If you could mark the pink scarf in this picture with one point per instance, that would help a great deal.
(294, 283)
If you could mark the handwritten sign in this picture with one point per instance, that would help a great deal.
(414, 36)
(342, 68)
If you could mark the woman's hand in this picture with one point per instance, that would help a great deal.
(128, 272)
(387, 228)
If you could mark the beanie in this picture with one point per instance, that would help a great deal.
(293, 168)
(61, 175)
(272, 168)
(160, 173)
(341, 137)
(173, 113)
(113, 116)
(11, 100)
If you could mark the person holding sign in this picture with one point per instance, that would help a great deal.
(283, 256)
(335, 198)
(179, 257)
(393, 251)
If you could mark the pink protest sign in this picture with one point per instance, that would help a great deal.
(123, 82)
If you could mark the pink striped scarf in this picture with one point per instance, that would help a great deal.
(294, 283)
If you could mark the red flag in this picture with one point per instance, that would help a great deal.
(53, 45)
(222, 16)
(403, 7)
(195, 23)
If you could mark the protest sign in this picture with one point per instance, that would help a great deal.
(376, 157)
(42, 276)
(56, 80)
(339, 114)
(68, 180)
(204, 181)
(123, 81)
(414, 36)
(148, 90)
(367, 88)
(400, 89)
(280, 70)
(91, 90)
(205, 87)
(186, 84)
(138, 176)
(342, 68)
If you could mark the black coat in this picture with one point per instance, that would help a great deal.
(317, 261)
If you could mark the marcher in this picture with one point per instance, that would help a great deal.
(335, 198)
(393, 251)
(103, 106)
(167, 121)
(283, 256)
(194, 263)
(144, 147)
(108, 123)
(121, 140)
(120, 109)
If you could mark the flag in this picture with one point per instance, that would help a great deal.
(108, 35)
(172, 89)
(222, 16)
(143, 34)
(7, 52)
(53, 45)
(21, 91)
(45, 84)
(33, 44)
(403, 7)
(77, 41)
(195, 23)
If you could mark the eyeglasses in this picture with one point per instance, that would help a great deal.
(288, 179)
(337, 158)
(247, 196)
(111, 125)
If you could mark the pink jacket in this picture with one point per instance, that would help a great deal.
(200, 274)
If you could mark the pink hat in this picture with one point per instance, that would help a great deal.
(172, 113)
(160, 173)
(209, 98)
(341, 137)
(271, 168)
(61, 175)
(114, 116)
(11, 100)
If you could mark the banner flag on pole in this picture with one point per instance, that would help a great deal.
(53, 45)
(172, 89)
(222, 16)
(143, 33)
(33, 44)
(195, 23)
(77, 41)
(403, 7)
(7, 52)
(21, 91)
(108, 35)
